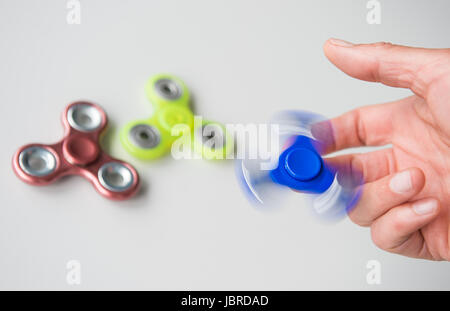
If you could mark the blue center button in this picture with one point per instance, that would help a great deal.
(301, 168)
(303, 164)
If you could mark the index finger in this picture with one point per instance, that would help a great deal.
(366, 126)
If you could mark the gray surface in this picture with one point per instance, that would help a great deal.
(190, 227)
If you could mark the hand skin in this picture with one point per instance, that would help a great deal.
(406, 191)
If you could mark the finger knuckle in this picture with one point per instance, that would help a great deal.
(378, 240)
(397, 225)
(360, 126)
(357, 219)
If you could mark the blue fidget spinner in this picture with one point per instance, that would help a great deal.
(302, 169)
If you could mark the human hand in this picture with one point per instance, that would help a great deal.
(406, 195)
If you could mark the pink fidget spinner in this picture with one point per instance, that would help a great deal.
(78, 153)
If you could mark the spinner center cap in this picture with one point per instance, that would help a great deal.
(303, 164)
(80, 150)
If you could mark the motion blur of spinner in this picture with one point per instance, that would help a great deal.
(330, 188)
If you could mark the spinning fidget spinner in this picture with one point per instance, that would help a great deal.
(78, 153)
(152, 138)
(330, 188)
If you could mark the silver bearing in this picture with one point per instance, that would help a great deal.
(168, 89)
(37, 161)
(84, 117)
(145, 136)
(115, 177)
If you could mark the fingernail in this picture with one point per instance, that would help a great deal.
(401, 183)
(340, 42)
(425, 207)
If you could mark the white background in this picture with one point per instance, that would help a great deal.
(190, 228)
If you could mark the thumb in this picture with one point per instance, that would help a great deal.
(393, 65)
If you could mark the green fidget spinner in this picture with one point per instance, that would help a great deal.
(173, 121)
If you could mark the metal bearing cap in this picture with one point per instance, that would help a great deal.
(37, 161)
(145, 136)
(115, 177)
(165, 89)
(145, 140)
(84, 117)
(168, 89)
